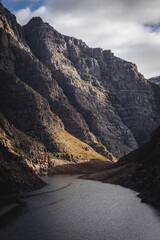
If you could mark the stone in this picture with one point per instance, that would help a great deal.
(118, 104)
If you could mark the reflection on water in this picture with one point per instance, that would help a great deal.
(72, 209)
(46, 192)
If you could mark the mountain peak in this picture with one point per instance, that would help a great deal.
(35, 21)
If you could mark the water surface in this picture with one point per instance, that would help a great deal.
(72, 209)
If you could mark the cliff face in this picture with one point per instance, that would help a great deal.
(28, 96)
(39, 78)
(63, 101)
(155, 80)
(117, 103)
(33, 93)
(21, 157)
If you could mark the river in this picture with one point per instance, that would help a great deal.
(73, 209)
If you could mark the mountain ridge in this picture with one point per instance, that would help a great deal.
(95, 75)
(30, 110)
(138, 170)
(155, 80)
(80, 104)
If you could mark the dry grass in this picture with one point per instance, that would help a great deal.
(71, 145)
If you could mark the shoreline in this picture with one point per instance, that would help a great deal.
(14, 204)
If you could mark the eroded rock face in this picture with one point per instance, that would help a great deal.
(155, 80)
(22, 106)
(23, 158)
(35, 99)
(63, 95)
(120, 107)
(21, 144)
(94, 93)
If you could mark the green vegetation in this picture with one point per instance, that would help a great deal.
(73, 146)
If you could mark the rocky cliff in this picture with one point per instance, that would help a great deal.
(120, 107)
(63, 103)
(23, 157)
(139, 170)
(155, 80)
(39, 78)
(28, 96)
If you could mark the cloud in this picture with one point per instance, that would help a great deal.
(24, 15)
(30, 1)
(124, 26)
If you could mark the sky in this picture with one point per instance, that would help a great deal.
(130, 28)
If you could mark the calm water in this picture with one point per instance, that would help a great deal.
(71, 209)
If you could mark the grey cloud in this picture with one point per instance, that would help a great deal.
(146, 57)
(125, 8)
(30, 1)
(118, 25)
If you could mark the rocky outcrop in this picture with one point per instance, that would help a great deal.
(64, 104)
(34, 93)
(31, 113)
(155, 80)
(139, 170)
(14, 176)
(120, 107)
(32, 135)
(40, 79)
(23, 158)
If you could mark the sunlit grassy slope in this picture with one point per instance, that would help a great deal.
(70, 145)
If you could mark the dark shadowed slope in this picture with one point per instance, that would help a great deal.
(139, 170)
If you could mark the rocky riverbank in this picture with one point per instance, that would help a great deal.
(139, 170)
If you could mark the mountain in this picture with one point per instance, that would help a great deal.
(20, 157)
(155, 80)
(23, 157)
(15, 56)
(65, 107)
(27, 94)
(118, 104)
(139, 170)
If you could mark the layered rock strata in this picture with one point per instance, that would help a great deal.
(118, 104)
